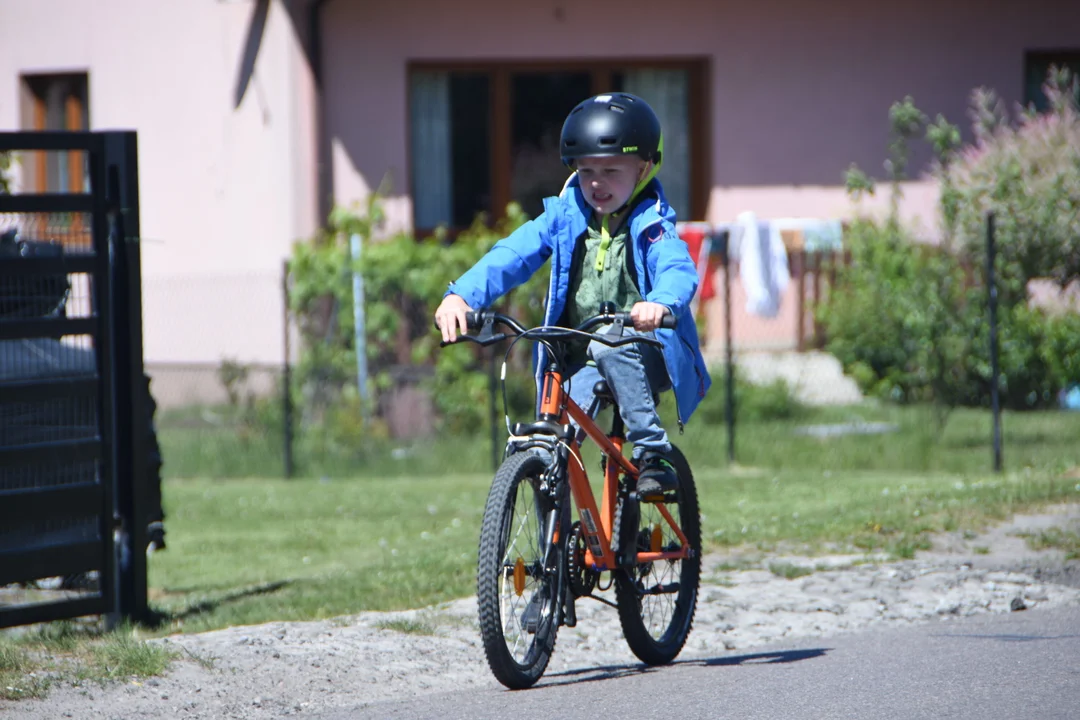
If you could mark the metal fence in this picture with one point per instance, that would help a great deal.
(245, 423)
(74, 485)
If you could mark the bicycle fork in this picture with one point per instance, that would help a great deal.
(554, 566)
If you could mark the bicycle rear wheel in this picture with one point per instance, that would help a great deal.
(657, 599)
(518, 597)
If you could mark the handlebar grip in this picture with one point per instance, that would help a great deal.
(474, 319)
(668, 321)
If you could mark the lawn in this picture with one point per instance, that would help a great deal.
(402, 533)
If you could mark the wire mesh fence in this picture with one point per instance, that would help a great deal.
(294, 409)
(27, 295)
(216, 354)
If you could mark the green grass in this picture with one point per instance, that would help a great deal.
(246, 550)
(1065, 540)
(1040, 440)
(394, 526)
(409, 627)
(399, 529)
(210, 444)
(19, 678)
(62, 652)
(789, 571)
(121, 655)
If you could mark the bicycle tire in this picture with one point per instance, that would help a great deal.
(510, 577)
(655, 626)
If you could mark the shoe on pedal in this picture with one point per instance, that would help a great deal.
(657, 476)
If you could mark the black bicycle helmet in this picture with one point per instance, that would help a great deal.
(609, 125)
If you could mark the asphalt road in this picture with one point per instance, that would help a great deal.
(1014, 666)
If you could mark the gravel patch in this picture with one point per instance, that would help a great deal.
(815, 378)
(295, 669)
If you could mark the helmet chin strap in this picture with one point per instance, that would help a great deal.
(647, 174)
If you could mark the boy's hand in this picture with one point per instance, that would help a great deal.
(450, 315)
(647, 315)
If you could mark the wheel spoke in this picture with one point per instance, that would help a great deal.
(657, 598)
(524, 606)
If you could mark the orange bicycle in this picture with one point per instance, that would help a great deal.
(534, 562)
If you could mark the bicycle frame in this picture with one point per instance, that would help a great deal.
(598, 554)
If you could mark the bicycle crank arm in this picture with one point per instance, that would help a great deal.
(669, 589)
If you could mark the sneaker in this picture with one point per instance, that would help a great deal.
(155, 536)
(657, 476)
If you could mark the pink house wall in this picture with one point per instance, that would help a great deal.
(797, 90)
(225, 189)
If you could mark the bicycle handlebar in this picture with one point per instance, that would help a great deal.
(485, 320)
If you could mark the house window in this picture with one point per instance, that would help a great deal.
(1036, 67)
(57, 102)
(483, 135)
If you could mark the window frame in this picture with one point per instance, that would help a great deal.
(76, 118)
(601, 71)
(69, 229)
(1046, 58)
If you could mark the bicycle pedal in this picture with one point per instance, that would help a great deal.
(569, 618)
(530, 618)
(654, 498)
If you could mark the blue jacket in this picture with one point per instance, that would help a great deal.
(665, 273)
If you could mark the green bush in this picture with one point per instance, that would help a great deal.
(5, 165)
(1028, 174)
(404, 280)
(1039, 355)
(897, 319)
(909, 321)
(772, 401)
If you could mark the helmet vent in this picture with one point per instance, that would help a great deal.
(609, 140)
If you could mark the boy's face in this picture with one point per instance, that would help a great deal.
(608, 182)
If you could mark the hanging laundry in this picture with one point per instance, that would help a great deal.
(763, 265)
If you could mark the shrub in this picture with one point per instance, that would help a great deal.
(896, 320)
(1028, 174)
(909, 321)
(771, 401)
(5, 165)
(404, 280)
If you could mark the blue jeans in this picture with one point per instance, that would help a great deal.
(636, 375)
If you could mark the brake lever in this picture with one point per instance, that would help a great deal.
(487, 329)
(616, 328)
(490, 339)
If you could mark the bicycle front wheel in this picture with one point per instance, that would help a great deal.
(657, 599)
(517, 596)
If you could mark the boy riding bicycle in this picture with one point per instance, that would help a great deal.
(611, 237)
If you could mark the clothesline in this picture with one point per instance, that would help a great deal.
(807, 234)
(761, 248)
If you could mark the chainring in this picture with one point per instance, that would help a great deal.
(582, 579)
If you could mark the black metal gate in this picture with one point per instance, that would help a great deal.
(72, 458)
